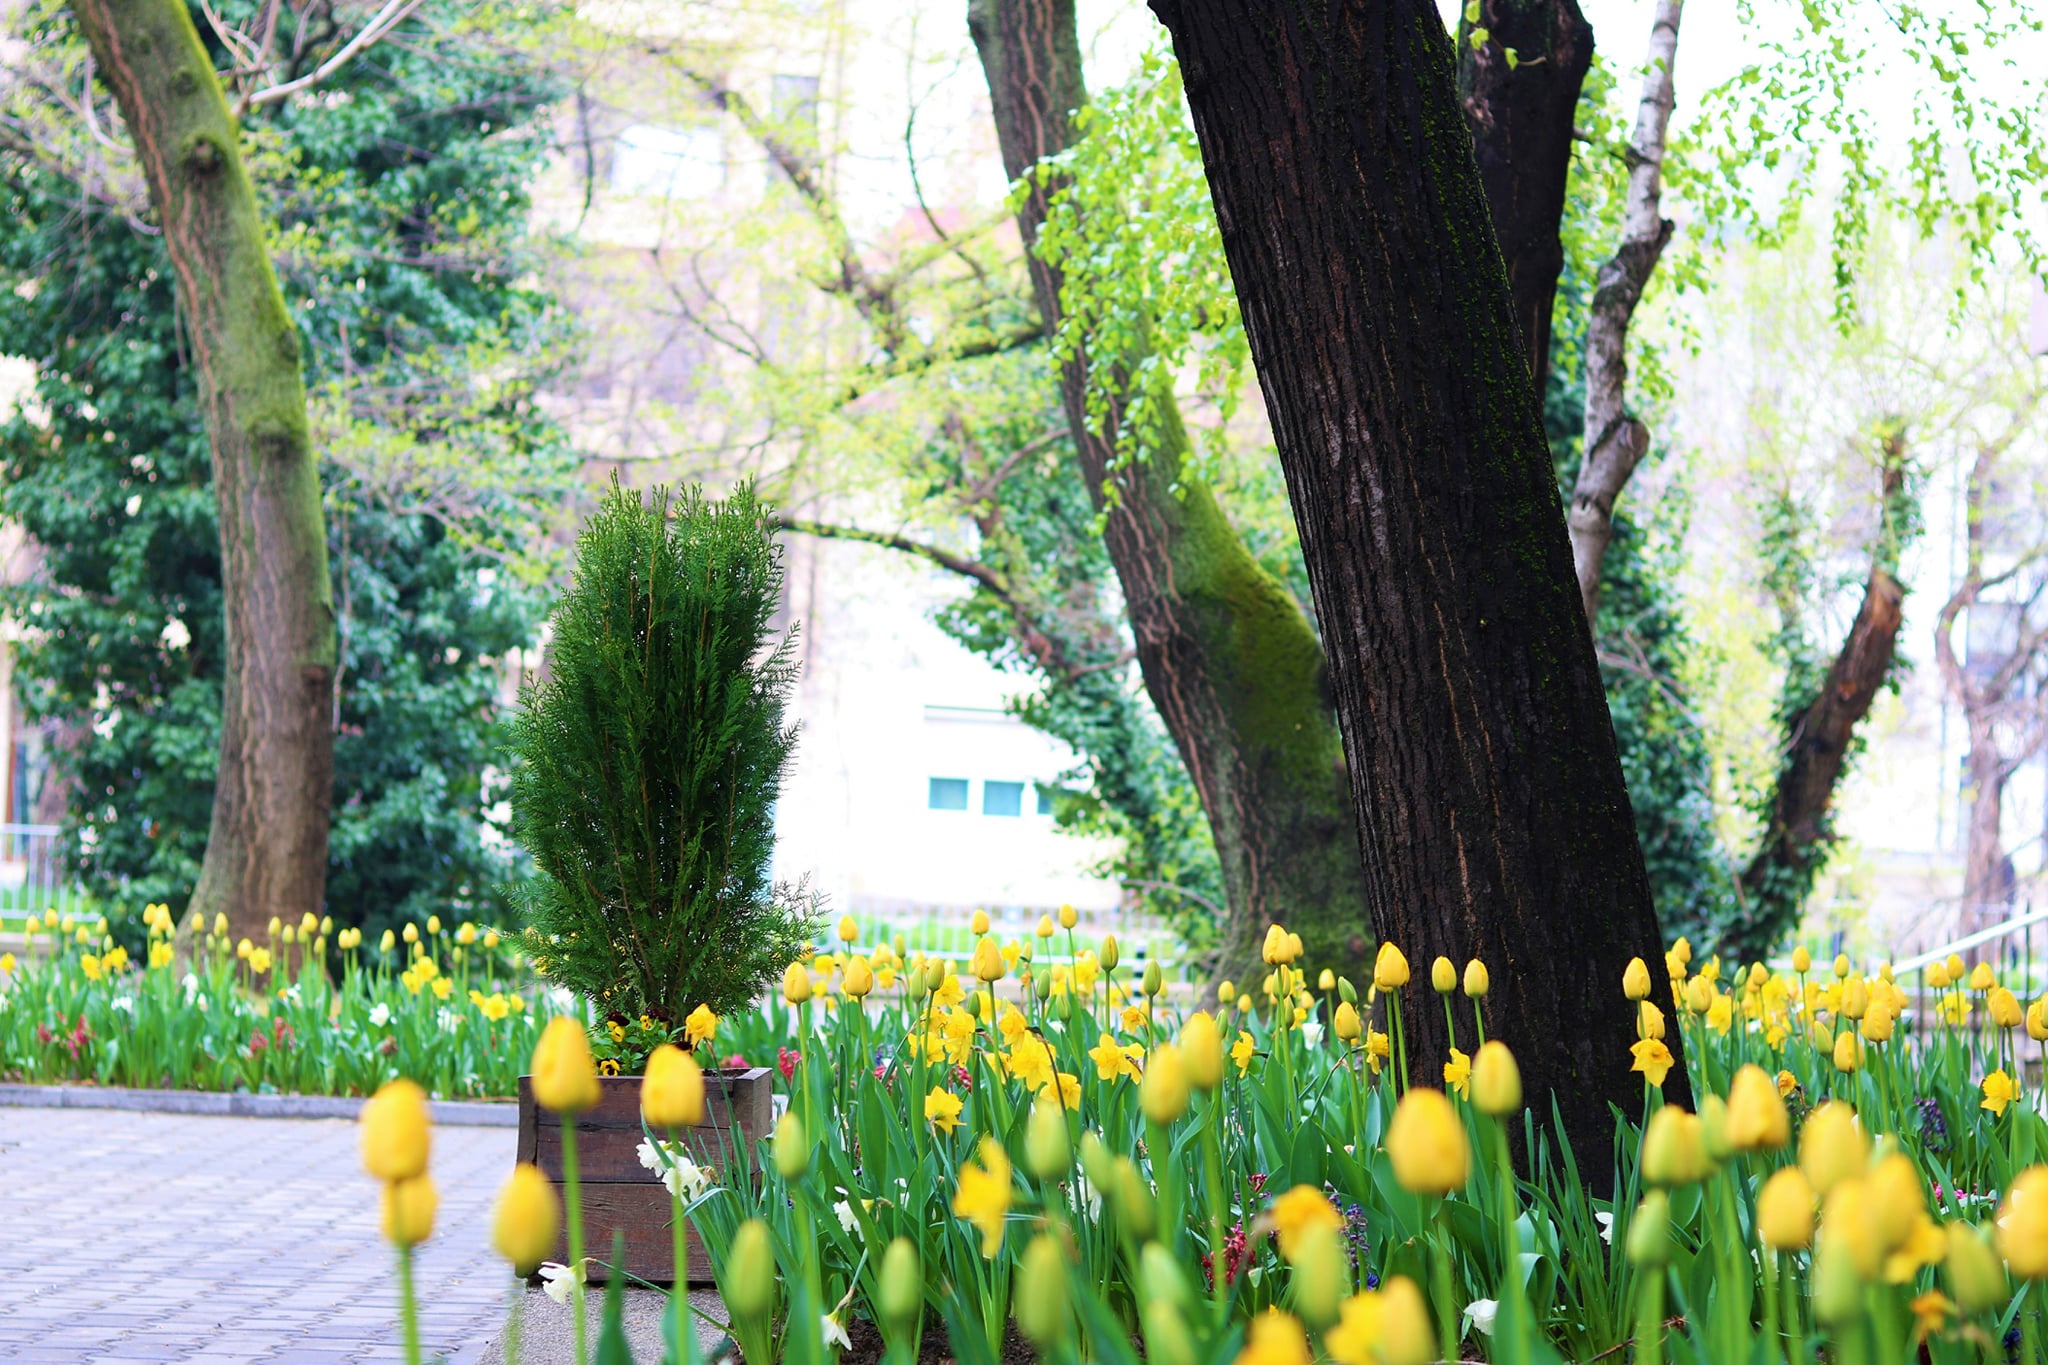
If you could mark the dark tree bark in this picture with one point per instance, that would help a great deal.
(1773, 888)
(1520, 112)
(1483, 765)
(267, 851)
(1232, 664)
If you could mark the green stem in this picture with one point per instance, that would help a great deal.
(408, 1307)
(1400, 1041)
(1440, 1285)
(678, 1289)
(572, 1191)
(513, 1321)
(1650, 1316)
(1212, 1176)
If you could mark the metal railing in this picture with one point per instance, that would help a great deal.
(32, 879)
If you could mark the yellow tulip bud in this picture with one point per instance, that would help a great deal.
(1974, 1274)
(1390, 969)
(408, 1210)
(1443, 976)
(220, 924)
(1477, 981)
(1326, 980)
(672, 1094)
(792, 1148)
(849, 931)
(1427, 1145)
(528, 1219)
(987, 962)
(1674, 1148)
(900, 1298)
(2037, 1025)
(1784, 1210)
(387, 943)
(1649, 1019)
(1848, 1052)
(1226, 991)
(1347, 1025)
(979, 924)
(1107, 954)
(1047, 1153)
(1699, 995)
(275, 926)
(1879, 1023)
(1841, 966)
(1069, 917)
(1406, 1335)
(1321, 1275)
(1938, 977)
(1154, 980)
(1855, 997)
(1757, 1119)
(748, 1285)
(1635, 981)
(1837, 1284)
(1133, 1198)
(411, 934)
(1896, 1201)
(1981, 977)
(1163, 1094)
(1955, 967)
(2004, 1007)
(1042, 1300)
(1201, 1050)
(564, 1076)
(1802, 961)
(1496, 1080)
(395, 1131)
(796, 983)
(1649, 1232)
(860, 977)
(1832, 1148)
(2023, 1224)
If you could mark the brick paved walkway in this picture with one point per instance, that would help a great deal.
(165, 1237)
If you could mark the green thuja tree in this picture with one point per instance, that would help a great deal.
(650, 759)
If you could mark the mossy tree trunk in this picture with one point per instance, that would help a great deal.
(1488, 789)
(266, 853)
(1231, 662)
(1521, 111)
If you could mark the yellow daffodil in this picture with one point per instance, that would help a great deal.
(1296, 1212)
(701, 1026)
(1241, 1051)
(1458, 1074)
(942, 1109)
(1653, 1059)
(2000, 1090)
(982, 1195)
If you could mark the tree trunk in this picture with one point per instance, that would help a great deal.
(1615, 442)
(1987, 890)
(1483, 766)
(1774, 887)
(1521, 116)
(1232, 664)
(267, 851)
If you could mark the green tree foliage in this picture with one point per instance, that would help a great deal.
(650, 759)
(397, 195)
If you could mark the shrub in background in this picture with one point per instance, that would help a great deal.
(650, 758)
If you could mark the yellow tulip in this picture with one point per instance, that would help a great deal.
(1042, 1301)
(987, 962)
(1390, 969)
(1635, 981)
(848, 930)
(528, 1219)
(1201, 1050)
(796, 983)
(2004, 1007)
(1426, 1144)
(1163, 1094)
(1496, 1080)
(1346, 1023)
(1069, 917)
(672, 1094)
(1879, 1023)
(979, 924)
(1832, 1148)
(1855, 997)
(1757, 1118)
(1848, 1052)
(1477, 982)
(1974, 1274)
(1045, 926)
(408, 1210)
(1443, 977)
(396, 1133)
(1784, 1210)
(564, 1076)
(1982, 978)
(1841, 966)
(1674, 1148)
(860, 977)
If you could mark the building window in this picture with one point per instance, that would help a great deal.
(949, 793)
(668, 163)
(1002, 798)
(1044, 792)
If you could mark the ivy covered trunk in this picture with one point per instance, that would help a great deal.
(1483, 765)
(1231, 662)
(266, 853)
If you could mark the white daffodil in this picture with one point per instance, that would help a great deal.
(1480, 1313)
(1312, 1032)
(847, 1218)
(1606, 1222)
(380, 1014)
(124, 1003)
(558, 1281)
(683, 1177)
(833, 1333)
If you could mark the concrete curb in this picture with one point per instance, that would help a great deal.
(453, 1113)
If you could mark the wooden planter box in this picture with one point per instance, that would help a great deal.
(618, 1192)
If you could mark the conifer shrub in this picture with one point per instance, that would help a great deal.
(649, 759)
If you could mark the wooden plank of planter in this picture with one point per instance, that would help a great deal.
(618, 1192)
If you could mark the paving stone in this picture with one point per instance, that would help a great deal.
(247, 1239)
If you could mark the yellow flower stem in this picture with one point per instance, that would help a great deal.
(1512, 1336)
(1774, 1340)
(678, 1288)
(1212, 1178)
(408, 1307)
(572, 1193)
(1479, 1023)
(1451, 1027)
(803, 1064)
(1447, 1315)
(1172, 1188)
(1400, 1041)
(513, 1321)
(2030, 1331)
(1355, 1065)
(1649, 1315)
